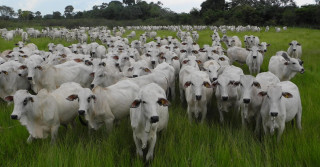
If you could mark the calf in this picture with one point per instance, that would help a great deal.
(254, 60)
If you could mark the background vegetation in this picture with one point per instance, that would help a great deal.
(182, 144)
(131, 12)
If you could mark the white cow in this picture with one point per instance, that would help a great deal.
(285, 67)
(103, 105)
(227, 90)
(148, 115)
(43, 113)
(237, 54)
(281, 105)
(295, 50)
(254, 60)
(198, 93)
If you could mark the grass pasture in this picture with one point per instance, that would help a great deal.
(183, 144)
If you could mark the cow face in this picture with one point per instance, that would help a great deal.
(295, 65)
(148, 102)
(23, 102)
(86, 100)
(247, 85)
(227, 86)
(197, 84)
(273, 99)
(213, 72)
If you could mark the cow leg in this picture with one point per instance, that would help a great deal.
(221, 113)
(30, 139)
(190, 110)
(298, 119)
(138, 145)
(181, 95)
(54, 133)
(151, 148)
(204, 113)
(258, 122)
(109, 124)
(280, 131)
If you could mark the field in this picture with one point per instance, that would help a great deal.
(183, 144)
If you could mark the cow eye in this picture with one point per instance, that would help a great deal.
(144, 102)
(88, 99)
(25, 102)
(101, 75)
(293, 63)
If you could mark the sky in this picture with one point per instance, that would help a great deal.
(48, 6)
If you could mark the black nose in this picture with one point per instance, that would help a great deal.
(246, 101)
(117, 64)
(254, 57)
(154, 119)
(302, 71)
(81, 112)
(134, 76)
(75, 52)
(213, 79)
(265, 50)
(29, 78)
(224, 98)
(20, 75)
(274, 114)
(153, 62)
(14, 116)
(50, 50)
(294, 49)
(198, 98)
(92, 86)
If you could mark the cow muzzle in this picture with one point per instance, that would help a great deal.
(154, 119)
(92, 86)
(134, 76)
(153, 62)
(254, 57)
(29, 78)
(274, 114)
(302, 71)
(246, 101)
(225, 98)
(15, 117)
(81, 112)
(198, 98)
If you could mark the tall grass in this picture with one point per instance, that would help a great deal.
(182, 144)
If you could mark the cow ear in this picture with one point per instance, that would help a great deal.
(63, 55)
(130, 69)
(39, 67)
(175, 58)
(206, 84)
(30, 99)
(21, 51)
(94, 98)
(115, 57)
(5, 72)
(187, 84)
(88, 63)
(22, 67)
(163, 102)
(262, 93)
(185, 61)
(9, 99)
(257, 84)
(286, 94)
(268, 44)
(198, 61)
(135, 103)
(222, 59)
(286, 63)
(78, 60)
(147, 70)
(72, 97)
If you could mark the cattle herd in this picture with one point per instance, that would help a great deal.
(118, 79)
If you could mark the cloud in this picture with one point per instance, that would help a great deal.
(29, 4)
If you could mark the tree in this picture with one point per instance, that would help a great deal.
(38, 15)
(317, 1)
(26, 15)
(6, 11)
(56, 15)
(213, 5)
(68, 11)
(128, 2)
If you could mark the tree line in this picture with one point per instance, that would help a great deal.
(218, 12)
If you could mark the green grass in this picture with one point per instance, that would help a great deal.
(183, 144)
